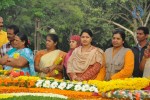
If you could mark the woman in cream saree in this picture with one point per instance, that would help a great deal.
(48, 62)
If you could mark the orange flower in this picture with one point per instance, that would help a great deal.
(31, 83)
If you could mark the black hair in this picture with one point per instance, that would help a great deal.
(87, 31)
(144, 29)
(123, 36)
(121, 32)
(55, 38)
(14, 27)
(23, 37)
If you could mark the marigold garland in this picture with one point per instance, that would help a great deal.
(70, 94)
(126, 84)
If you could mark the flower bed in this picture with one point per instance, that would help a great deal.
(73, 89)
(49, 85)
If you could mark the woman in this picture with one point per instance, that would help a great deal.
(74, 43)
(119, 60)
(86, 60)
(145, 63)
(20, 57)
(48, 62)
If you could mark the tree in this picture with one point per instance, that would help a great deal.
(126, 14)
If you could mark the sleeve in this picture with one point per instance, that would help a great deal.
(28, 55)
(91, 72)
(128, 66)
(99, 56)
(102, 73)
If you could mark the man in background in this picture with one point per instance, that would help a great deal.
(3, 34)
(138, 50)
(12, 30)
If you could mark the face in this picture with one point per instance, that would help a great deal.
(50, 43)
(10, 34)
(141, 36)
(117, 40)
(73, 44)
(85, 39)
(1, 23)
(18, 43)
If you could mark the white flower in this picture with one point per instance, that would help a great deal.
(62, 85)
(77, 87)
(39, 83)
(79, 83)
(54, 85)
(85, 87)
(96, 90)
(69, 86)
(92, 88)
(46, 84)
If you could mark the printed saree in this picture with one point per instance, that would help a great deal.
(27, 54)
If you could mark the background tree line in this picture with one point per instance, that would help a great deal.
(69, 17)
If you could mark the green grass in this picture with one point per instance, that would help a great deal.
(32, 98)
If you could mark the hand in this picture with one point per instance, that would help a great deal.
(5, 58)
(146, 53)
(45, 70)
(9, 59)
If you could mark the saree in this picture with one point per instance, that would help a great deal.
(85, 65)
(25, 53)
(49, 59)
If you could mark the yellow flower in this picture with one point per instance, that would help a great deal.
(126, 84)
(58, 61)
(3, 96)
(16, 55)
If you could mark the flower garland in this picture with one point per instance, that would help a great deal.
(68, 85)
(68, 93)
(126, 84)
(128, 94)
(32, 82)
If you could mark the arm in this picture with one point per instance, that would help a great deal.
(142, 64)
(128, 66)
(3, 60)
(91, 72)
(18, 63)
(144, 59)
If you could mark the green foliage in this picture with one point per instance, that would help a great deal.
(69, 17)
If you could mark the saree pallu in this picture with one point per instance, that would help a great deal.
(50, 59)
(91, 73)
(25, 53)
